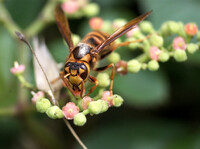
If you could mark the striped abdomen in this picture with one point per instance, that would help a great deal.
(94, 39)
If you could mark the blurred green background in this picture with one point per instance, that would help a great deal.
(161, 109)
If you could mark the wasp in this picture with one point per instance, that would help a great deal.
(84, 56)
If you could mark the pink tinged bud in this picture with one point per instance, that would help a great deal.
(96, 23)
(154, 53)
(179, 43)
(70, 6)
(131, 32)
(37, 96)
(106, 96)
(17, 69)
(191, 29)
(121, 67)
(85, 102)
(70, 110)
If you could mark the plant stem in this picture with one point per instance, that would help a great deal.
(43, 20)
(25, 83)
(99, 94)
(74, 134)
(6, 19)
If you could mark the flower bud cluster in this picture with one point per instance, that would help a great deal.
(88, 105)
(152, 42)
(79, 8)
(43, 105)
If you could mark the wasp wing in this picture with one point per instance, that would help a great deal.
(63, 26)
(121, 31)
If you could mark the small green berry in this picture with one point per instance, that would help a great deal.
(107, 26)
(153, 65)
(54, 112)
(164, 30)
(103, 79)
(181, 31)
(133, 66)
(163, 56)
(104, 106)
(79, 119)
(173, 27)
(156, 40)
(76, 39)
(91, 9)
(114, 57)
(42, 105)
(117, 100)
(117, 23)
(180, 55)
(146, 27)
(191, 48)
(95, 107)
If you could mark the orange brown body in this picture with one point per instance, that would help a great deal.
(83, 57)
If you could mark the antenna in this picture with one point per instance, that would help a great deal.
(22, 38)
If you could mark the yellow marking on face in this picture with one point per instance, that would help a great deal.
(73, 72)
(81, 71)
(67, 69)
(75, 80)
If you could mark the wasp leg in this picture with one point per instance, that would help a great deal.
(95, 81)
(63, 77)
(111, 76)
(126, 43)
(55, 80)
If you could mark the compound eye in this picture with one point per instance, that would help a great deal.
(68, 64)
(82, 66)
(83, 71)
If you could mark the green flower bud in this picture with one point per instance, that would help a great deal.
(163, 56)
(173, 27)
(180, 55)
(104, 106)
(181, 31)
(164, 30)
(133, 45)
(117, 100)
(95, 107)
(107, 26)
(103, 79)
(114, 57)
(191, 47)
(91, 9)
(76, 39)
(117, 23)
(146, 45)
(144, 66)
(79, 119)
(146, 27)
(133, 66)
(156, 40)
(118, 40)
(137, 34)
(42, 105)
(54, 112)
(153, 65)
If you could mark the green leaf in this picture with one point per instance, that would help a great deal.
(142, 134)
(142, 89)
(8, 52)
(59, 50)
(177, 10)
(24, 12)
